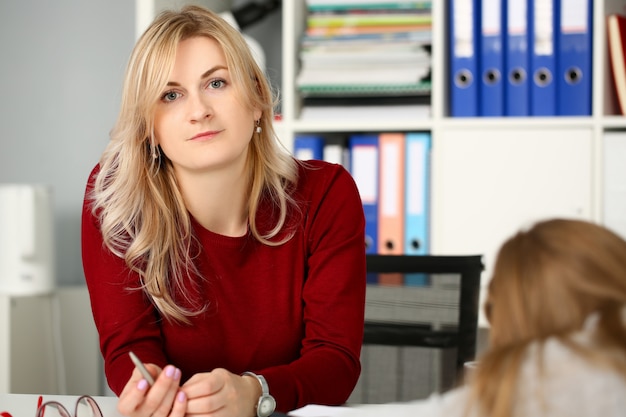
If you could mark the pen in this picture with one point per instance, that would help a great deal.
(141, 368)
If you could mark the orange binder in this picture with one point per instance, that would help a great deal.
(391, 194)
(391, 201)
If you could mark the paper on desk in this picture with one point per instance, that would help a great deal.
(314, 410)
(429, 407)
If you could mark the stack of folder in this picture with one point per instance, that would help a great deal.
(366, 51)
(392, 173)
(520, 57)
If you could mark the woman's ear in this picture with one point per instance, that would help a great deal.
(257, 114)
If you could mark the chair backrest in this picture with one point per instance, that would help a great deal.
(428, 302)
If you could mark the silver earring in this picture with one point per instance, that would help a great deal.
(154, 150)
(258, 126)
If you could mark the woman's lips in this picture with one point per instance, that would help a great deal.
(205, 135)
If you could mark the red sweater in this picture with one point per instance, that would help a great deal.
(293, 313)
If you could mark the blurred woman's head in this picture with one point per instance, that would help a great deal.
(549, 278)
(547, 281)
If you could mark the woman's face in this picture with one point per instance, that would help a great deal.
(201, 122)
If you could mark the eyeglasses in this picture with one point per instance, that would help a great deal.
(85, 407)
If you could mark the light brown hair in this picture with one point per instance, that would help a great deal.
(546, 281)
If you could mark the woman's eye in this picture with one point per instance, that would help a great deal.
(216, 83)
(170, 96)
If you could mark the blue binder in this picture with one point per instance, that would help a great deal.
(307, 147)
(543, 57)
(417, 192)
(491, 62)
(417, 202)
(364, 158)
(574, 58)
(516, 78)
(463, 23)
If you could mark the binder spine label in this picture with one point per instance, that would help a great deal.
(417, 179)
(544, 31)
(463, 24)
(366, 171)
(574, 17)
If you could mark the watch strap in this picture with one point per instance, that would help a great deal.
(265, 395)
(265, 389)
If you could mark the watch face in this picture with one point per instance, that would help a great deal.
(266, 406)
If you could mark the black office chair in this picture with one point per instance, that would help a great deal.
(420, 325)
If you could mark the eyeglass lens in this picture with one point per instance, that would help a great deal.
(85, 407)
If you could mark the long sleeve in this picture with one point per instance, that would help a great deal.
(333, 297)
(125, 319)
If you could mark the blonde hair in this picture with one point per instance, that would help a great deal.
(546, 282)
(142, 215)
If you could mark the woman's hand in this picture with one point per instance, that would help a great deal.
(163, 399)
(220, 393)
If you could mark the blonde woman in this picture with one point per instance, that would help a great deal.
(208, 250)
(557, 309)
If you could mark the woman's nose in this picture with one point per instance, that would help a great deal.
(199, 108)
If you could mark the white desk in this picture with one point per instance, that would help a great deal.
(25, 405)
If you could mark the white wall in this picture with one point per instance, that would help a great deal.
(61, 69)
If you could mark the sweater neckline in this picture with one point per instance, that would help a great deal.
(206, 235)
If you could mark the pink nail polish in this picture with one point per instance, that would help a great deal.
(181, 397)
(142, 385)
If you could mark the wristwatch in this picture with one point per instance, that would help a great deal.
(267, 404)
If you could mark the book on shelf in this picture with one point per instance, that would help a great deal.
(616, 35)
(369, 19)
(343, 97)
(356, 113)
(356, 3)
(366, 5)
(341, 10)
(419, 37)
(359, 58)
(389, 108)
(359, 30)
(358, 92)
(362, 76)
(372, 52)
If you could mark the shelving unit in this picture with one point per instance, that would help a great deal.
(490, 176)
